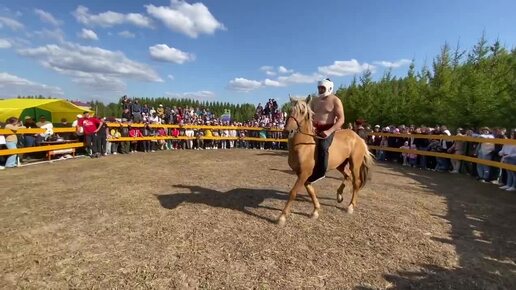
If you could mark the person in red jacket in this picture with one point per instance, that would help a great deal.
(91, 127)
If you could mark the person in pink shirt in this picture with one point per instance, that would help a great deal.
(174, 133)
(162, 132)
(135, 133)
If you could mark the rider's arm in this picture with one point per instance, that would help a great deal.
(339, 115)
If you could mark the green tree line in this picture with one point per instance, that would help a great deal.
(461, 89)
(239, 112)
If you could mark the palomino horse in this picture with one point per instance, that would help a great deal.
(347, 148)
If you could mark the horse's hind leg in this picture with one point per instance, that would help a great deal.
(344, 169)
(292, 196)
(355, 172)
(311, 191)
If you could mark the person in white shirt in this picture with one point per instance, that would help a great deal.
(484, 151)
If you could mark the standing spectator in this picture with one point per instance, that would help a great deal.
(124, 132)
(79, 130)
(200, 140)
(497, 176)
(102, 143)
(29, 139)
(189, 132)
(91, 127)
(484, 151)
(126, 114)
(508, 155)
(404, 154)
(160, 111)
(134, 133)
(458, 149)
(175, 133)
(136, 110)
(412, 156)
(11, 140)
(114, 134)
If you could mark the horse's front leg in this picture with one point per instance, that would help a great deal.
(311, 191)
(301, 179)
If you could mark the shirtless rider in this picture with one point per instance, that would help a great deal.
(328, 118)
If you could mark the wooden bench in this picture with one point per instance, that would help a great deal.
(60, 152)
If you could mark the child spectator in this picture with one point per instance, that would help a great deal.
(413, 156)
(404, 154)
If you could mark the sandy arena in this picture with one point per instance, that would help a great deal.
(205, 219)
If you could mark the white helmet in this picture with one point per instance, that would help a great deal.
(328, 85)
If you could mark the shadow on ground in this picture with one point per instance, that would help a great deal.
(482, 219)
(240, 199)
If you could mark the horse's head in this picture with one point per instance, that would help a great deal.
(300, 118)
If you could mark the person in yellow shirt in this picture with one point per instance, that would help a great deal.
(208, 134)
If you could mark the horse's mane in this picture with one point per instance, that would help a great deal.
(302, 110)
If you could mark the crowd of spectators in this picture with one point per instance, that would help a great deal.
(101, 139)
(482, 150)
(141, 120)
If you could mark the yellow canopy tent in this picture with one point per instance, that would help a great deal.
(52, 109)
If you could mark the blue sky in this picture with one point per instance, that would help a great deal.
(234, 51)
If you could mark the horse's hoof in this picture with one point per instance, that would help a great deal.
(350, 209)
(282, 220)
(315, 215)
(340, 198)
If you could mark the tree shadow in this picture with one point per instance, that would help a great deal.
(239, 199)
(482, 219)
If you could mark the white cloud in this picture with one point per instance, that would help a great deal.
(11, 23)
(47, 17)
(244, 85)
(189, 19)
(284, 70)
(269, 70)
(88, 34)
(272, 83)
(298, 78)
(4, 43)
(199, 95)
(163, 52)
(91, 66)
(171, 77)
(345, 68)
(12, 86)
(110, 18)
(127, 34)
(46, 34)
(394, 65)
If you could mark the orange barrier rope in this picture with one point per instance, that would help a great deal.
(449, 156)
(445, 137)
(44, 148)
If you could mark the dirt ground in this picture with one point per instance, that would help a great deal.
(205, 219)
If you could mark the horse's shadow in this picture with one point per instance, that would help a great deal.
(240, 199)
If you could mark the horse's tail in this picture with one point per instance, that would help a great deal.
(367, 164)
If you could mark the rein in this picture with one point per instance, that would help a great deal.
(301, 132)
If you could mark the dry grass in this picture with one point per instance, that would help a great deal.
(188, 219)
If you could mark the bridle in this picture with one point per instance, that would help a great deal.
(298, 129)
